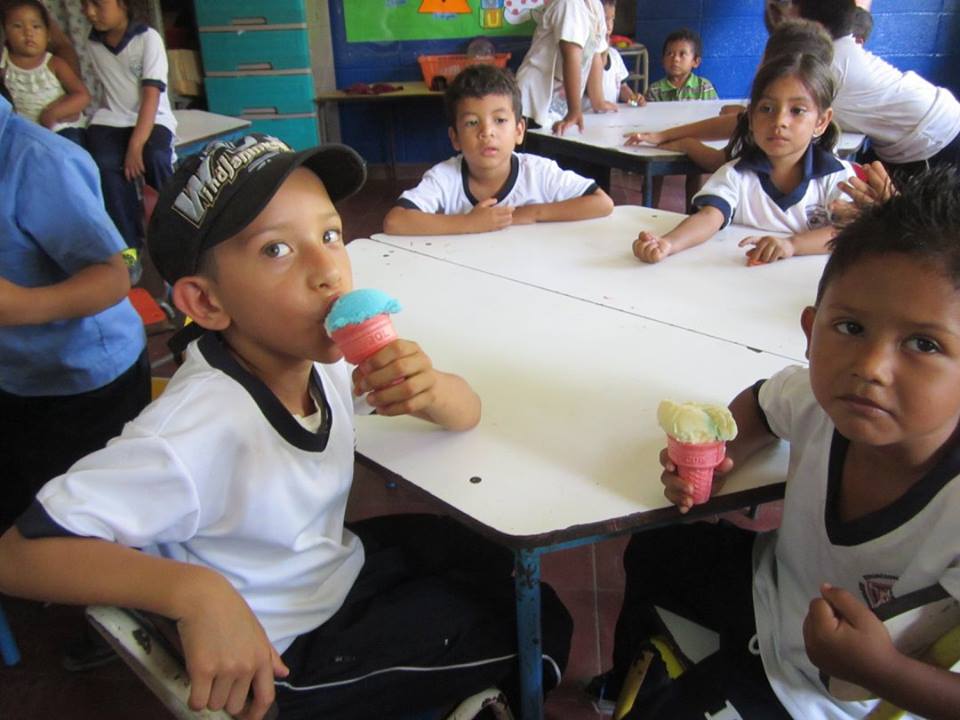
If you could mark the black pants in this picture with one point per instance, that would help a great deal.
(108, 145)
(41, 437)
(429, 621)
(702, 572)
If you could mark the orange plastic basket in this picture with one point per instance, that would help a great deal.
(447, 66)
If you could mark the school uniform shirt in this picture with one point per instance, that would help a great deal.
(533, 179)
(742, 190)
(906, 118)
(908, 546)
(615, 74)
(540, 75)
(34, 89)
(53, 224)
(139, 59)
(216, 472)
(695, 88)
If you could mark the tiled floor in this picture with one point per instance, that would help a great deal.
(589, 579)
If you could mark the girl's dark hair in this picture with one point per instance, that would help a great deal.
(815, 75)
(794, 36)
(921, 221)
(835, 15)
(11, 5)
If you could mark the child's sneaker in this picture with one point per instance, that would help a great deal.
(132, 259)
(489, 704)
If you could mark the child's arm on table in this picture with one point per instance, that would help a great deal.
(69, 105)
(845, 639)
(715, 128)
(627, 95)
(90, 290)
(146, 117)
(691, 232)
(484, 217)
(595, 87)
(767, 249)
(596, 204)
(752, 436)
(571, 54)
(226, 649)
(441, 398)
(706, 158)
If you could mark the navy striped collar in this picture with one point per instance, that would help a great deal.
(133, 29)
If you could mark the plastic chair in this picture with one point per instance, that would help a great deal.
(8, 646)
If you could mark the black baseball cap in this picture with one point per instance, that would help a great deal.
(214, 195)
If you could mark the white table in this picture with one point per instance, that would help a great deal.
(707, 289)
(602, 140)
(195, 128)
(567, 450)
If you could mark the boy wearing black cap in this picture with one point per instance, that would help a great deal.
(235, 480)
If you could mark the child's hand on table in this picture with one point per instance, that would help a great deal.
(644, 138)
(398, 379)
(767, 249)
(605, 107)
(569, 119)
(487, 215)
(680, 491)
(845, 639)
(650, 248)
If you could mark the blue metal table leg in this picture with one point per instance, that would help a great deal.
(8, 646)
(647, 185)
(529, 640)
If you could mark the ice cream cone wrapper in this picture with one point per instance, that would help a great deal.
(695, 463)
(359, 341)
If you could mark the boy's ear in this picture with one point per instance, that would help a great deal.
(452, 134)
(521, 130)
(696, 62)
(807, 317)
(195, 296)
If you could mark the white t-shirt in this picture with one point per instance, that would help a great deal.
(139, 59)
(908, 546)
(741, 189)
(33, 90)
(540, 75)
(906, 118)
(533, 179)
(614, 75)
(217, 472)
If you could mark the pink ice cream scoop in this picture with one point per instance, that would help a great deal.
(359, 323)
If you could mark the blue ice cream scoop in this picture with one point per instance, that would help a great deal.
(357, 306)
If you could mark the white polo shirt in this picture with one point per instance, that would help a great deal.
(140, 59)
(742, 190)
(906, 118)
(540, 75)
(614, 75)
(909, 546)
(533, 179)
(216, 472)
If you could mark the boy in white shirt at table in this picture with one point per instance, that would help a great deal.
(872, 504)
(615, 73)
(489, 186)
(235, 480)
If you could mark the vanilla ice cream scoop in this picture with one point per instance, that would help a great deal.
(692, 422)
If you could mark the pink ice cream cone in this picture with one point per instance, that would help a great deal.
(695, 463)
(358, 341)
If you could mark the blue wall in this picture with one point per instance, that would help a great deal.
(919, 35)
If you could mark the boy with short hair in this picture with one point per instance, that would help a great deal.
(489, 186)
(870, 518)
(682, 51)
(235, 481)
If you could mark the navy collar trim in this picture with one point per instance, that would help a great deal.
(215, 352)
(133, 29)
(817, 163)
(505, 190)
(900, 511)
